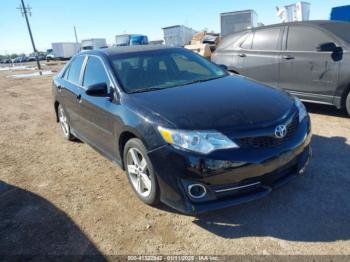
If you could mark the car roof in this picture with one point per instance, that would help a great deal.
(309, 23)
(128, 49)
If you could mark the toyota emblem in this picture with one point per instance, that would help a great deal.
(280, 131)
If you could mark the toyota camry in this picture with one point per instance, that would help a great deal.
(186, 132)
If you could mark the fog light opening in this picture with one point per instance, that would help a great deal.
(197, 191)
(303, 169)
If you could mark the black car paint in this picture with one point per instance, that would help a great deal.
(321, 77)
(232, 104)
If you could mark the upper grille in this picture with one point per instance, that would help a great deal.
(269, 141)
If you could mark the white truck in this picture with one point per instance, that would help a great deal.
(300, 11)
(93, 43)
(178, 35)
(232, 22)
(63, 50)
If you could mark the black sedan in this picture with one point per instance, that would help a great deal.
(187, 133)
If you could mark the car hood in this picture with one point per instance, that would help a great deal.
(224, 103)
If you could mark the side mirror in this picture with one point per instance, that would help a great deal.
(327, 47)
(224, 67)
(99, 89)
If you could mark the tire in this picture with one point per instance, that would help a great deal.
(140, 172)
(62, 117)
(347, 104)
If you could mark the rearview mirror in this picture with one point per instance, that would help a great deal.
(224, 67)
(327, 47)
(99, 89)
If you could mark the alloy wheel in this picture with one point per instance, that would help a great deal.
(138, 172)
(63, 121)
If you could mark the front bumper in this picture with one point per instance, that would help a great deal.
(230, 177)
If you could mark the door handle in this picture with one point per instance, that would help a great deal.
(79, 97)
(242, 55)
(288, 57)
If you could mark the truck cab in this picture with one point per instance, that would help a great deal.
(131, 39)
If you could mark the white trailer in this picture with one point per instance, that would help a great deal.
(64, 50)
(300, 11)
(178, 35)
(93, 43)
(232, 22)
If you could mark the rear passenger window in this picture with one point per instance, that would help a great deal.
(95, 72)
(74, 70)
(247, 43)
(266, 39)
(305, 38)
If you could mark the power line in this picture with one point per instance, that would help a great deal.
(25, 11)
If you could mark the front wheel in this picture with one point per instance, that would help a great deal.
(140, 172)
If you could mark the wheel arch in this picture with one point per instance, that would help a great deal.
(124, 137)
(344, 95)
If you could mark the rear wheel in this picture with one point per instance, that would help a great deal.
(140, 172)
(64, 123)
(348, 104)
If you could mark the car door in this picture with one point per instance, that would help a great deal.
(304, 71)
(260, 52)
(227, 52)
(69, 90)
(96, 112)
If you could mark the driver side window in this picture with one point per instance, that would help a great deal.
(95, 72)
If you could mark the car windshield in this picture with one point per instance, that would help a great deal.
(153, 70)
(342, 30)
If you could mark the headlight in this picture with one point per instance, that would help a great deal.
(301, 109)
(198, 141)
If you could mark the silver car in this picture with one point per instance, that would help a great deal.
(308, 59)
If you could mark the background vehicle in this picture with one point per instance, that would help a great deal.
(341, 13)
(233, 22)
(187, 132)
(63, 50)
(20, 59)
(93, 43)
(49, 55)
(308, 59)
(178, 35)
(31, 58)
(131, 39)
(6, 61)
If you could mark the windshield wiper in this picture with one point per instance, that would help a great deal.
(141, 90)
(202, 80)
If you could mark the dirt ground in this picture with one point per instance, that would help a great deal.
(59, 197)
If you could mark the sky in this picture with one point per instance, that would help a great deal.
(53, 20)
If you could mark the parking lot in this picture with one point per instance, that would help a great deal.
(59, 197)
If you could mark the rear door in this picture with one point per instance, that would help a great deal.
(69, 89)
(97, 112)
(227, 53)
(260, 52)
(304, 71)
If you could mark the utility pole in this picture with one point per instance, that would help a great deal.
(76, 37)
(75, 33)
(25, 11)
